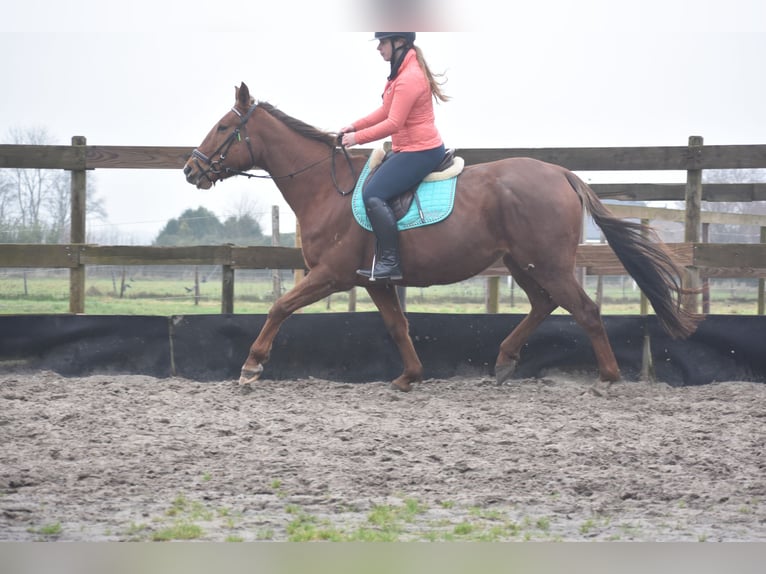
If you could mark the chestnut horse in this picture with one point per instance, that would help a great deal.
(527, 212)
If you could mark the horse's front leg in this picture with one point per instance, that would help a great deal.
(387, 302)
(313, 287)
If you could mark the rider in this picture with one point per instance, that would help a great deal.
(407, 115)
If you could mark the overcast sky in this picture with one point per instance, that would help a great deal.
(533, 74)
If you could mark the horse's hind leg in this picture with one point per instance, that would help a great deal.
(541, 306)
(387, 302)
(567, 292)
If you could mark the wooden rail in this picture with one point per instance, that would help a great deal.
(713, 260)
(671, 158)
(702, 260)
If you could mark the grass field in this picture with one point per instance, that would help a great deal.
(149, 291)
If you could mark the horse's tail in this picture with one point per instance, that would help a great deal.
(646, 259)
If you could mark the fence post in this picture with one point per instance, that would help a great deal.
(600, 279)
(298, 273)
(647, 362)
(227, 289)
(705, 282)
(761, 281)
(693, 220)
(77, 232)
(196, 286)
(493, 295)
(276, 278)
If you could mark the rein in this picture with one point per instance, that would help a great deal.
(217, 168)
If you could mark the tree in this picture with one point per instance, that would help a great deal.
(202, 227)
(194, 227)
(242, 230)
(6, 199)
(35, 203)
(241, 226)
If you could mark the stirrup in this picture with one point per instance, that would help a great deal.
(371, 273)
(365, 272)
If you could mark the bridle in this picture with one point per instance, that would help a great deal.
(220, 171)
(215, 166)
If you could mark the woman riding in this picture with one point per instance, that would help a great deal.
(407, 116)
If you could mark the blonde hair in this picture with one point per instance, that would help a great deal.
(436, 85)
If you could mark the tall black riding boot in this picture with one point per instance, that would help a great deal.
(383, 224)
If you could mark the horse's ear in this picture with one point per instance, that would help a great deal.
(243, 95)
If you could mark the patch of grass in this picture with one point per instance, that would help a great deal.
(137, 532)
(486, 514)
(366, 534)
(179, 531)
(543, 524)
(630, 530)
(388, 518)
(192, 510)
(464, 529)
(384, 517)
(591, 524)
(306, 528)
(276, 486)
(587, 526)
(180, 522)
(53, 529)
(412, 508)
(159, 293)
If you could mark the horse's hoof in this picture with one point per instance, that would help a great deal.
(504, 372)
(601, 388)
(248, 376)
(401, 385)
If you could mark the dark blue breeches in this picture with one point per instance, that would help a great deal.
(400, 172)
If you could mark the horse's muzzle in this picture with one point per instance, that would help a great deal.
(197, 178)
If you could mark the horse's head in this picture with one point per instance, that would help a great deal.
(227, 149)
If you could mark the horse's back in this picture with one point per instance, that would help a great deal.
(519, 206)
(519, 171)
(520, 186)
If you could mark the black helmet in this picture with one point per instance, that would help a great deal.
(409, 36)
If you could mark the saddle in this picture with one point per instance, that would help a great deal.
(450, 166)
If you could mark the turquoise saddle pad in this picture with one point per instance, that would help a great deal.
(437, 198)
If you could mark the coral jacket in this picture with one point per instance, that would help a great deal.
(407, 113)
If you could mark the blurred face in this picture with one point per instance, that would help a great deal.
(385, 49)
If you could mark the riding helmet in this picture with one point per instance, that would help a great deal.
(409, 36)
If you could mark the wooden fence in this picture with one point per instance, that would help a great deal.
(700, 259)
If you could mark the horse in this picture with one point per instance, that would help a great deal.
(524, 211)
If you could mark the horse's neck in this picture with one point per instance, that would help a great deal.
(303, 171)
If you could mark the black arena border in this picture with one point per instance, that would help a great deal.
(354, 347)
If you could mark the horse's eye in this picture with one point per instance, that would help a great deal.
(222, 128)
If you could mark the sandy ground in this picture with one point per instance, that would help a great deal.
(113, 458)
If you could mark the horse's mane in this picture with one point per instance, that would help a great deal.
(299, 126)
